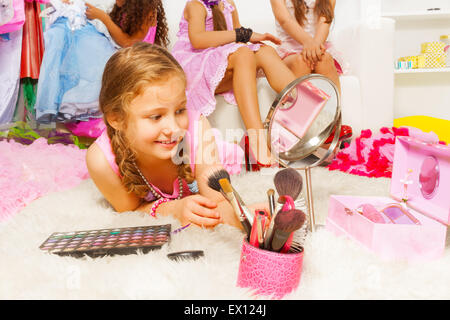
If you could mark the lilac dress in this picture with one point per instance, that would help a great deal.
(205, 68)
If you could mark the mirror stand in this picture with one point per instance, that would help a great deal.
(310, 200)
(308, 110)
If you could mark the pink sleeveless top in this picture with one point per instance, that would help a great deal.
(150, 37)
(104, 143)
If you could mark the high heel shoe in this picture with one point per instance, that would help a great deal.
(251, 164)
(345, 134)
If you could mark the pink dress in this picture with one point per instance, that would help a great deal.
(290, 46)
(205, 68)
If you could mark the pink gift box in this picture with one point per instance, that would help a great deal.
(421, 183)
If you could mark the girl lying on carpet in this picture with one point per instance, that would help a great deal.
(135, 162)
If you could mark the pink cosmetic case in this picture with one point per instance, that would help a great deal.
(421, 184)
(269, 273)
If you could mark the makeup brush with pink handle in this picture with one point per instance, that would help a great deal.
(288, 243)
(285, 224)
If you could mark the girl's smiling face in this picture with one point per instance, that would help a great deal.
(158, 120)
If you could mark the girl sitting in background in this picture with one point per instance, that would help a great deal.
(303, 27)
(214, 51)
(131, 21)
(143, 100)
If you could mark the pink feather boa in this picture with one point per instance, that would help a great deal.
(28, 172)
(373, 155)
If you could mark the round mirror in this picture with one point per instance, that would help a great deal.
(301, 119)
(429, 177)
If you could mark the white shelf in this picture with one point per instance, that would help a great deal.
(418, 15)
(423, 70)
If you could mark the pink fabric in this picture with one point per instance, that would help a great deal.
(269, 273)
(28, 172)
(104, 143)
(373, 155)
(205, 68)
(92, 128)
(150, 37)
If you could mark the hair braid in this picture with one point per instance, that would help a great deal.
(125, 158)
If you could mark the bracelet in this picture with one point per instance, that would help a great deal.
(156, 205)
(243, 34)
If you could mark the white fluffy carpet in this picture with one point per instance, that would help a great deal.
(334, 268)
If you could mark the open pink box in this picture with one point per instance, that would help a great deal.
(421, 182)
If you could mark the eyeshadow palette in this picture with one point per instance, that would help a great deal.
(117, 241)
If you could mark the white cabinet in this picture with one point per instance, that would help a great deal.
(419, 91)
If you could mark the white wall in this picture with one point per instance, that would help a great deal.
(426, 93)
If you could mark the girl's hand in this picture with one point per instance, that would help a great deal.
(259, 37)
(313, 52)
(94, 12)
(198, 210)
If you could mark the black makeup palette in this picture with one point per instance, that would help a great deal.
(116, 241)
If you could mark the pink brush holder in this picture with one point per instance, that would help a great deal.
(270, 273)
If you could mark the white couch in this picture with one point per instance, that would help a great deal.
(367, 89)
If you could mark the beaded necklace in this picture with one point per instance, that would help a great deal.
(153, 191)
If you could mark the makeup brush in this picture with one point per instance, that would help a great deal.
(259, 224)
(290, 239)
(213, 183)
(285, 224)
(288, 182)
(288, 204)
(271, 197)
(213, 179)
(229, 195)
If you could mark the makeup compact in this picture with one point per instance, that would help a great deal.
(413, 224)
(102, 242)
